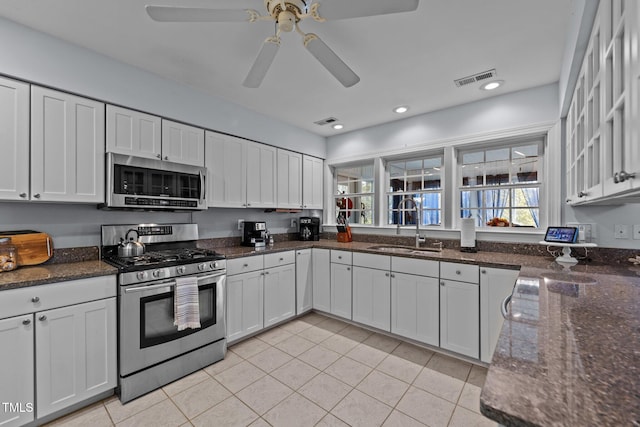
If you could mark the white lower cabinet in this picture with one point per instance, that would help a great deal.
(75, 354)
(321, 270)
(341, 290)
(495, 285)
(279, 294)
(67, 331)
(372, 290)
(16, 371)
(304, 281)
(459, 317)
(415, 311)
(245, 302)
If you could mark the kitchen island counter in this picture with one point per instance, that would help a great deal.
(569, 350)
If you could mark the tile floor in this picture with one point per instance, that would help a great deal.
(313, 371)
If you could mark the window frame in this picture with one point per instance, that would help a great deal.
(351, 209)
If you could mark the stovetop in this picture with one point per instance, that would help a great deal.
(162, 258)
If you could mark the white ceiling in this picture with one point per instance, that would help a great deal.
(402, 59)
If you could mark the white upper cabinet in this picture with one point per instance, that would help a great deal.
(226, 162)
(312, 179)
(14, 140)
(602, 127)
(289, 192)
(182, 143)
(261, 175)
(133, 133)
(67, 147)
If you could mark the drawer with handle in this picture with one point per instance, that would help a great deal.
(460, 272)
(341, 257)
(245, 264)
(279, 258)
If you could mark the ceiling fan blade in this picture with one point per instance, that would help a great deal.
(262, 63)
(191, 14)
(340, 9)
(330, 60)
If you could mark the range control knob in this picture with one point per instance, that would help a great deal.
(181, 269)
(157, 273)
(214, 265)
(141, 275)
(202, 267)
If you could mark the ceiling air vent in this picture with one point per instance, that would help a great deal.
(326, 121)
(476, 78)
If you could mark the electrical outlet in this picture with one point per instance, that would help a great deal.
(636, 232)
(240, 222)
(294, 223)
(621, 231)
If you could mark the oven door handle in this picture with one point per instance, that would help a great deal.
(212, 276)
(169, 285)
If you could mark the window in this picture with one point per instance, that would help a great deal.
(500, 186)
(418, 179)
(353, 194)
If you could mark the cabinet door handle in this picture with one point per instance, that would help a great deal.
(266, 272)
(281, 259)
(348, 268)
(458, 272)
(37, 195)
(23, 195)
(245, 265)
(166, 157)
(393, 275)
(484, 271)
(582, 194)
(387, 274)
(35, 299)
(42, 318)
(26, 322)
(441, 283)
(339, 256)
(248, 204)
(159, 156)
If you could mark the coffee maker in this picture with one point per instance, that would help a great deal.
(253, 234)
(309, 228)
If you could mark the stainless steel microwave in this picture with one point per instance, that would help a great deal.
(150, 184)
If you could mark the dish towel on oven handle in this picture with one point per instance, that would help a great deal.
(186, 306)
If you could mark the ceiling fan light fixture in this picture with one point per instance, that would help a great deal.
(401, 109)
(492, 85)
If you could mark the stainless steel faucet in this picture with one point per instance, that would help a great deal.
(417, 211)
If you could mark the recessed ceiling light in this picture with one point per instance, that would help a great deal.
(338, 126)
(492, 85)
(401, 109)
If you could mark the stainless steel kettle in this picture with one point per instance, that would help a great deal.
(129, 247)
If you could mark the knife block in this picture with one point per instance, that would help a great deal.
(345, 237)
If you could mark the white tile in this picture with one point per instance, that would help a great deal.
(441, 385)
(382, 342)
(270, 359)
(315, 334)
(229, 413)
(399, 368)
(355, 333)
(248, 348)
(383, 387)
(470, 397)
(295, 373)
(295, 345)
(119, 412)
(319, 357)
(274, 336)
(313, 318)
(259, 423)
(295, 411)
(239, 376)
(426, 408)
(185, 383)
(295, 326)
(398, 419)
(264, 394)
(164, 413)
(339, 344)
(477, 376)
(368, 355)
(348, 371)
(197, 399)
(357, 409)
(412, 353)
(325, 391)
(450, 366)
(331, 421)
(231, 359)
(332, 325)
(95, 415)
(464, 418)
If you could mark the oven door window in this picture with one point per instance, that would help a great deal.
(157, 315)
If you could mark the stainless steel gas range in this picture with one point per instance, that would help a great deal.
(152, 351)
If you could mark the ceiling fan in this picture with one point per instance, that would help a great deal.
(287, 14)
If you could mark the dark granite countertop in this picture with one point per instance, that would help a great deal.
(569, 351)
(51, 273)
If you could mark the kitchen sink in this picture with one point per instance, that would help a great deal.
(404, 249)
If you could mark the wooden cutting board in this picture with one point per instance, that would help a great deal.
(33, 247)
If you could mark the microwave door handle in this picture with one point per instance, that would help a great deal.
(203, 188)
